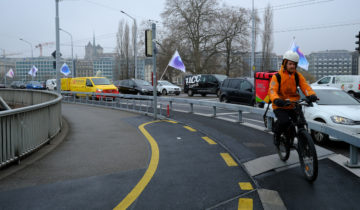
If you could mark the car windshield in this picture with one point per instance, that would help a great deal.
(142, 82)
(101, 81)
(220, 77)
(335, 97)
(165, 83)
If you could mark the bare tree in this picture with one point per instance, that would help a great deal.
(126, 47)
(117, 73)
(233, 28)
(267, 38)
(193, 23)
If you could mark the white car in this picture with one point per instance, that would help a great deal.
(335, 108)
(165, 87)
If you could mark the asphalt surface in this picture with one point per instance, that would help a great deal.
(105, 156)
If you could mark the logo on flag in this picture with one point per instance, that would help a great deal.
(10, 73)
(303, 63)
(65, 69)
(33, 71)
(176, 62)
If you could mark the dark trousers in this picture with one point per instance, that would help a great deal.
(283, 122)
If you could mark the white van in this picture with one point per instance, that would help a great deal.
(349, 83)
(51, 84)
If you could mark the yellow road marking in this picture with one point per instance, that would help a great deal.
(154, 161)
(228, 159)
(245, 186)
(171, 121)
(245, 204)
(208, 140)
(190, 128)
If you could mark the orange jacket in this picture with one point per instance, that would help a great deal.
(288, 88)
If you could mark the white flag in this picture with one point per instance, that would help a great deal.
(33, 71)
(65, 69)
(176, 62)
(10, 73)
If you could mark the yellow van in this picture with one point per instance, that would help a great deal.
(88, 84)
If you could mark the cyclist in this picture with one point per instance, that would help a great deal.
(289, 80)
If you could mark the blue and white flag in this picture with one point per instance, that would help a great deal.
(303, 63)
(176, 62)
(65, 69)
(33, 71)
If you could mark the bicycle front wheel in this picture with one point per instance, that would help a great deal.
(283, 148)
(307, 156)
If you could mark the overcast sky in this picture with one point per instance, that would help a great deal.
(319, 25)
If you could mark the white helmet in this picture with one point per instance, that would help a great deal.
(291, 56)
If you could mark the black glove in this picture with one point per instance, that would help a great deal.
(279, 102)
(312, 98)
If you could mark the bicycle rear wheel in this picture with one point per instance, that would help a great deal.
(307, 155)
(283, 148)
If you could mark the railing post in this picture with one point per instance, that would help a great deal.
(191, 108)
(170, 106)
(353, 163)
(160, 109)
(269, 123)
(214, 113)
(240, 116)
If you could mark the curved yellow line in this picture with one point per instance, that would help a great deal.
(154, 161)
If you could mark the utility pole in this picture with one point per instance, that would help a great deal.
(153, 28)
(252, 67)
(57, 54)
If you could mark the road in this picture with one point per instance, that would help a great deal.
(113, 158)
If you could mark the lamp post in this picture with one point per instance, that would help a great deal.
(252, 68)
(72, 50)
(32, 55)
(135, 41)
(57, 52)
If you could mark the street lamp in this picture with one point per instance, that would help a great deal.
(32, 55)
(72, 50)
(135, 40)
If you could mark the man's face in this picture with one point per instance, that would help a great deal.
(291, 66)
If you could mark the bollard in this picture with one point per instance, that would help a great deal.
(168, 111)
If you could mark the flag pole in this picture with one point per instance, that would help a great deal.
(164, 72)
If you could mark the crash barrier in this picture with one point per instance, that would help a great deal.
(131, 101)
(34, 119)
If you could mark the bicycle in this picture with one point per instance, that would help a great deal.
(305, 145)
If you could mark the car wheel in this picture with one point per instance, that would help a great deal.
(352, 94)
(318, 137)
(164, 92)
(221, 99)
(177, 94)
(203, 94)
(190, 93)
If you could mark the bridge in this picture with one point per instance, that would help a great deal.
(107, 157)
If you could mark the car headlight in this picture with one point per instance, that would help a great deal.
(342, 120)
(143, 90)
(99, 90)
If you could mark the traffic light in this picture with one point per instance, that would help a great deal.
(358, 42)
(148, 43)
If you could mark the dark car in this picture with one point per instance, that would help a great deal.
(135, 86)
(34, 85)
(18, 85)
(238, 90)
(203, 84)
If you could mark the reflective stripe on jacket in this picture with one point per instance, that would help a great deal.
(288, 88)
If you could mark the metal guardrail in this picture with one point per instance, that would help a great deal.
(352, 139)
(23, 130)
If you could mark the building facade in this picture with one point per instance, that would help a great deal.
(332, 62)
